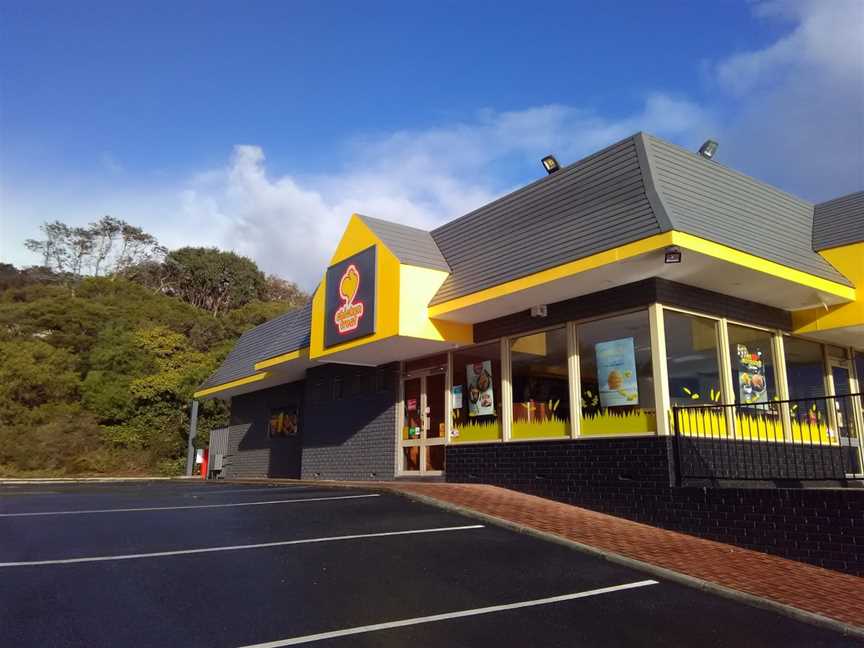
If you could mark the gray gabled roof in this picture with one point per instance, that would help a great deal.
(638, 187)
(282, 334)
(412, 246)
(839, 221)
(714, 202)
(593, 205)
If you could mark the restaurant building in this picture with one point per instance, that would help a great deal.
(644, 316)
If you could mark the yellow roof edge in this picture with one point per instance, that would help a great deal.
(230, 385)
(648, 244)
(731, 255)
(302, 352)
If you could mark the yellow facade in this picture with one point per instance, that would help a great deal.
(848, 259)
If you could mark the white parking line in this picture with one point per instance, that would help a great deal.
(293, 641)
(190, 506)
(281, 543)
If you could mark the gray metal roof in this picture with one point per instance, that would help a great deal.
(282, 334)
(412, 246)
(714, 202)
(593, 205)
(839, 221)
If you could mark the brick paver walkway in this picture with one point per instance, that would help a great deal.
(806, 587)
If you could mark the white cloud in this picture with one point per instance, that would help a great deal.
(795, 114)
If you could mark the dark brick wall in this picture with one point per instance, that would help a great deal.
(639, 294)
(719, 459)
(251, 453)
(630, 478)
(352, 436)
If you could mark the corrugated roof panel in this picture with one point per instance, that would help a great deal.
(839, 221)
(412, 246)
(282, 334)
(593, 205)
(711, 201)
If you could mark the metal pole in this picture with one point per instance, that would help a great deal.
(193, 431)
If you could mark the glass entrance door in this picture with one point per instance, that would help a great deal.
(421, 442)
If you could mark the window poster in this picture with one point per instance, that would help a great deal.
(616, 372)
(457, 397)
(751, 376)
(283, 422)
(481, 400)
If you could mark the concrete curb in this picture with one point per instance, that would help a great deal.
(75, 480)
(667, 574)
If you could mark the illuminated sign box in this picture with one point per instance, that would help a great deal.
(350, 299)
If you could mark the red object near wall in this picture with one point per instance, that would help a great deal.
(204, 463)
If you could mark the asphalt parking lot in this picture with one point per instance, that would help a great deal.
(193, 564)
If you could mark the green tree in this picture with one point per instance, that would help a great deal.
(211, 279)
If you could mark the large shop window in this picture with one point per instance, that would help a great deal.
(752, 359)
(692, 359)
(805, 368)
(476, 394)
(805, 373)
(541, 395)
(616, 375)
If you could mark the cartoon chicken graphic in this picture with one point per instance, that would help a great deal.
(349, 284)
(347, 316)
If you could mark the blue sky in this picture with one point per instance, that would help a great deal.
(254, 125)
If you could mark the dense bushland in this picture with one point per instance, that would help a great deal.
(97, 372)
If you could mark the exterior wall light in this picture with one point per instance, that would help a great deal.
(550, 164)
(673, 255)
(708, 149)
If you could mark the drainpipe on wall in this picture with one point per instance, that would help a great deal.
(193, 432)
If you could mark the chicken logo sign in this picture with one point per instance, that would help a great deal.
(350, 298)
(348, 315)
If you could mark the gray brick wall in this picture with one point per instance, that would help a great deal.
(352, 436)
(251, 453)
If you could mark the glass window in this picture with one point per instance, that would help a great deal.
(691, 359)
(752, 358)
(805, 373)
(859, 369)
(805, 368)
(617, 382)
(541, 394)
(477, 393)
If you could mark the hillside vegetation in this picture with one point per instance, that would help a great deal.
(97, 372)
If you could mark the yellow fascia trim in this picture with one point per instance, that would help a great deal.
(285, 357)
(649, 244)
(230, 385)
(621, 253)
(754, 262)
(848, 259)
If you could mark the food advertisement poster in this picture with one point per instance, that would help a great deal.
(283, 422)
(457, 396)
(616, 372)
(481, 400)
(751, 376)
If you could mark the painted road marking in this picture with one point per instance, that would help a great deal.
(190, 506)
(281, 543)
(293, 641)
